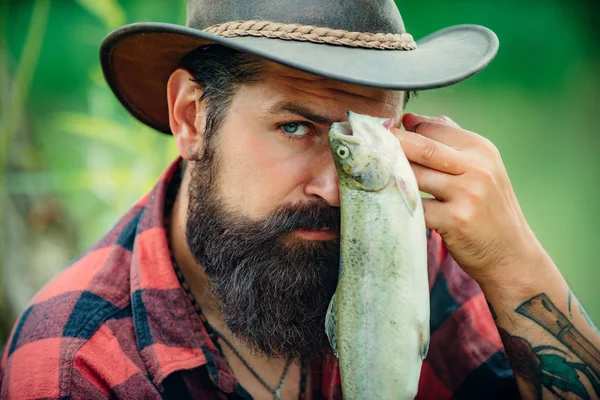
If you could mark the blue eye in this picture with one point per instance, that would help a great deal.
(295, 129)
(290, 128)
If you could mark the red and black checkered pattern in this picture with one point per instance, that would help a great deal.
(116, 324)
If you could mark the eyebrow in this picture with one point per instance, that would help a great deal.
(301, 111)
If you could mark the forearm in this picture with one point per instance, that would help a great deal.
(552, 346)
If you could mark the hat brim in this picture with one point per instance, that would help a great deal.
(137, 60)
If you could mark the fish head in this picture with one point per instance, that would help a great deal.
(363, 149)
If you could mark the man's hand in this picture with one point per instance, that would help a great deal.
(547, 340)
(475, 209)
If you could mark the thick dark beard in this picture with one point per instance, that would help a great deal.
(273, 288)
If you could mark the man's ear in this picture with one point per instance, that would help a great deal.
(186, 113)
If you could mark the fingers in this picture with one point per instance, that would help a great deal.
(434, 214)
(434, 182)
(410, 120)
(443, 130)
(430, 153)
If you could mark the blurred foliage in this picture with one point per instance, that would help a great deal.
(72, 160)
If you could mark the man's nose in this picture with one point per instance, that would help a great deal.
(324, 182)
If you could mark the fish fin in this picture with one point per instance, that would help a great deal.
(410, 199)
(331, 325)
(388, 123)
(423, 339)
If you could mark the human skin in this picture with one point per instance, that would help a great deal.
(474, 210)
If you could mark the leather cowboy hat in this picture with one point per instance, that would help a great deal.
(357, 41)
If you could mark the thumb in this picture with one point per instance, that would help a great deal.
(411, 120)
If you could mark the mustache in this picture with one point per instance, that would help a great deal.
(310, 216)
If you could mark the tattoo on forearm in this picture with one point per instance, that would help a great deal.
(581, 310)
(587, 318)
(569, 302)
(542, 311)
(548, 366)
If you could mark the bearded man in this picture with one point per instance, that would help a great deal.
(215, 285)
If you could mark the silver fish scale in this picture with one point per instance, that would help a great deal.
(378, 322)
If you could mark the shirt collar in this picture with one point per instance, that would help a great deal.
(168, 331)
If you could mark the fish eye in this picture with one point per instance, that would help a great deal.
(343, 152)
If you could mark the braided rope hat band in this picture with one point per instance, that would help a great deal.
(327, 38)
(339, 37)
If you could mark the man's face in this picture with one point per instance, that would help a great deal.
(261, 168)
(263, 217)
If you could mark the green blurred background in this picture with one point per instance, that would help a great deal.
(72, 160)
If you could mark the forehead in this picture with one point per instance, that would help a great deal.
(283, 83)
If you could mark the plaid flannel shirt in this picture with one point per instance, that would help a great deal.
(117, 324)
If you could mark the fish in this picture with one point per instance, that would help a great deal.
(377, 321)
